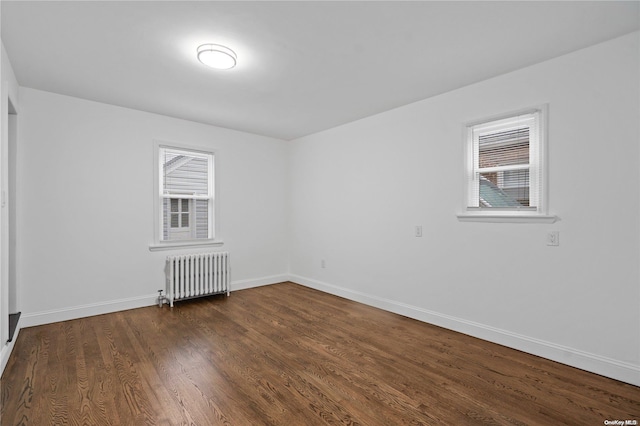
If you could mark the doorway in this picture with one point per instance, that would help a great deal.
(10, 200)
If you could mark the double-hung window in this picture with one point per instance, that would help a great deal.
(505, 168)
(185, 198)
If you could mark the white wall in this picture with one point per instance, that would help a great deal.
(85, 205)
(357, 192)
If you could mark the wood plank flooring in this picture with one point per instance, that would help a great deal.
(288, 355)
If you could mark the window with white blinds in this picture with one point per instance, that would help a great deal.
(186, 193)
(505, 170)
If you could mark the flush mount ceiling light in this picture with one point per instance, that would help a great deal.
(217, 56)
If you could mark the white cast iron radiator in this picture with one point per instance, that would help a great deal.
(195, 275)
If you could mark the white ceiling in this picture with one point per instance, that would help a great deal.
(303, 66)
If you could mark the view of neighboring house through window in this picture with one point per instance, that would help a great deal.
(505, 164)
(503, 168)
(186, 182)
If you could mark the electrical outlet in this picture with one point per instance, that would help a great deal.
(323, 264)
(553, 238)
(418, 231)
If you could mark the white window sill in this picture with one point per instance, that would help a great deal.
(505, 218)
(172, 245)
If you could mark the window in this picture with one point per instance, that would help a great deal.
(179, 214)
(505, 168)
(185, 197)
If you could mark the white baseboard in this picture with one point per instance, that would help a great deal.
(258, 282)
(6, 349)
(99, 308)
(604, 366)
(81, 311)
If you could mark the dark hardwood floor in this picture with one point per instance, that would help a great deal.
(288, 355)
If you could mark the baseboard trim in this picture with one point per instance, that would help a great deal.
(258, 282)
(88, 310)
(615, 369)
(100, 308)
(5, 353)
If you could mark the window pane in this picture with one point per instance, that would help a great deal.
(515, 183)
(184, 173)
(165, 219)
(503, 163)
(186, 182)
(515, 178)
(504, 148)
(504, 189)
(202, 218)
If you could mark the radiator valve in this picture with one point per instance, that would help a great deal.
(161, 298)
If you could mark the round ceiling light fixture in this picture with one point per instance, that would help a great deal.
(217, 56)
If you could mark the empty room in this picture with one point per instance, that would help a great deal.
(311, 213)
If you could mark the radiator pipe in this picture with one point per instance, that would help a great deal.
(161, 298)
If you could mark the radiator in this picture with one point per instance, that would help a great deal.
(196, 275)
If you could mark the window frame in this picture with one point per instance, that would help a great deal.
(538, 165)
(158, 197)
